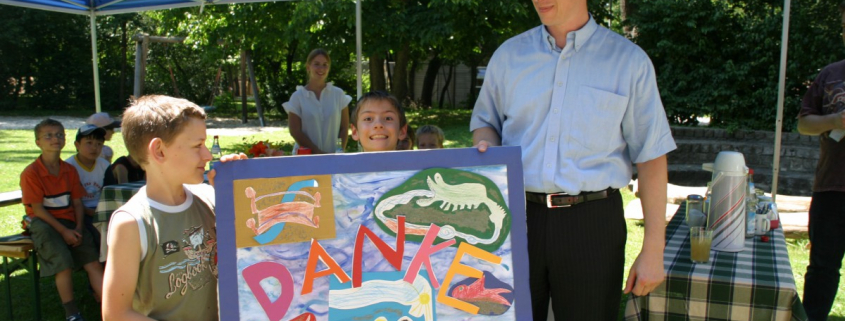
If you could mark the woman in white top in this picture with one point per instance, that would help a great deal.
(317, 113)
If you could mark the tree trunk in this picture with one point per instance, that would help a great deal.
(254, 85)
(291, 55)
(412, 75)
(243, 85)
(627, 9)
(473, 93)
(124, 42)
(430, 77)
(377, 81)
(399, 83)
(388, 82)
(446, 86)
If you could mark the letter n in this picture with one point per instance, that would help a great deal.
(394, 257)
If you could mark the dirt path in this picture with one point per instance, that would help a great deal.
(216, 125)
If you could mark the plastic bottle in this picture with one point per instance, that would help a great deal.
(339, 146)
(216, 153)
(750, 206)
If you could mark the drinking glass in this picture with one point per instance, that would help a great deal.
(700, 240)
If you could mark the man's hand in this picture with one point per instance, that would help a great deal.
(72, 237)
(226, 158)
(482, 146)
(485, 137)
(838, 120)
(646, 274)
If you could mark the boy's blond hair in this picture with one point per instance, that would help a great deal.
(375, 96)
(154, 116)
(434, 130)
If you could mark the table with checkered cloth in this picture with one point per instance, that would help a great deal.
(754, 284)
(112, 197)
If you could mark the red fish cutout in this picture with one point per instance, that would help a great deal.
(476, 292)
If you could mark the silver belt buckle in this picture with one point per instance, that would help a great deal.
(549, 200)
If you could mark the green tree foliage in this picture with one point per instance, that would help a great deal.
(45, 60)
(721, 58)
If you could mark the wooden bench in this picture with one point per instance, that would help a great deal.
(18, 252)
(10, 198)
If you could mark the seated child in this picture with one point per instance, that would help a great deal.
(104, 121)
(378, 122)
(430, 137)
(52, 197)
(124, 170)
(91, 169)
(168, 223)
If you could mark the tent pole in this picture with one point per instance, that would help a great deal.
(358, 45)
(784, 44)
(95, 60)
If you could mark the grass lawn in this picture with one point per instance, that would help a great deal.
(18, 150)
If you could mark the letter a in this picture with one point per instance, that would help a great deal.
(318, 252)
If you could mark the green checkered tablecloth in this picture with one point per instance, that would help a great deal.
(112, 197)
(754, 284)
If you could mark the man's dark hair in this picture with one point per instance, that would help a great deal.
(842, 6)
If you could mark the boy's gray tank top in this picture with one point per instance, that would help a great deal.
(178, 275)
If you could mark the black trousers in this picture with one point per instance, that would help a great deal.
(576, 257)
(827, 236)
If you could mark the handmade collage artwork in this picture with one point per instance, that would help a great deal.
(412, 242)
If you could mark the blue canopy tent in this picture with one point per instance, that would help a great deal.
(94, 8)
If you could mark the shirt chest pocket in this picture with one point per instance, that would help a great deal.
(597, 123)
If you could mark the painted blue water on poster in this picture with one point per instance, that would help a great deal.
(354, 197)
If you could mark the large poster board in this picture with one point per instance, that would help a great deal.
(417, 235)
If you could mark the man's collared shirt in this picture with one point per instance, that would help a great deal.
(582, 114)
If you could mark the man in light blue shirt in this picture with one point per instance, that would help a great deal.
(582, 102)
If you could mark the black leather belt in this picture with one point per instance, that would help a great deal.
(565, 200)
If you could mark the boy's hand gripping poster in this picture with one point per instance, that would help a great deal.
(421, 235)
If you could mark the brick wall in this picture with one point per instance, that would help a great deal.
(697, 145)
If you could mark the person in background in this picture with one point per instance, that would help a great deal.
(104, 121)
(125, 169)
(52, 196)
(91, 169)
(582, 102)
(430, 137)
(823, 114)
(408, 142)
(378, 122)
(317, 113)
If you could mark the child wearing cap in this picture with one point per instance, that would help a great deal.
(91, 169)
(104, 121)
(52, 196)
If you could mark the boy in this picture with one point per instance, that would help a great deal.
(104, 121)
(378, 122)
(430, 137)
(91, 169)
(163, 242)
(52, 196)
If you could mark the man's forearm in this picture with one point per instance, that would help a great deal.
(487, 134)
(815, 125)
(653, 178)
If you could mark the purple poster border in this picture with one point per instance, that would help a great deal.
(307, 165)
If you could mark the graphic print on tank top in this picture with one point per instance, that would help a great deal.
(197, 267)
